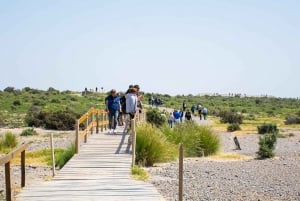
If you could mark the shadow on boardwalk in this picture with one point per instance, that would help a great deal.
(101, 171)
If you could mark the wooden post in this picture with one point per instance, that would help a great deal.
(102, 120)
(87, 125)
(52, 154)
(7, 181)
(93, 119)
(180, 194)
(77, 137)
(133, 138)
(23, 168)
(97, 122)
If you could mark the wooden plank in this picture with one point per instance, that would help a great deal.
(13, 154)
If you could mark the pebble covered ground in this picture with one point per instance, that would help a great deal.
(243, 179)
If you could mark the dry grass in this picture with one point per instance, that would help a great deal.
(229, 157)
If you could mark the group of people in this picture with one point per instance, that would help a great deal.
(118, 106)
(177, 115)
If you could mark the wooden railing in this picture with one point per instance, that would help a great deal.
(6, 160)
(94, 118)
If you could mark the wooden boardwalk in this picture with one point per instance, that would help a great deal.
(101, 171)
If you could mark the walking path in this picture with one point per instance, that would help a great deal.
(101, 171)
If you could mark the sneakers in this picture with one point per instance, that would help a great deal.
(114, 132)
(109, 131)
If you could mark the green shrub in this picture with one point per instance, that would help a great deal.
(233, 127)
(292, 119)
(267, 128)
(152, 146)
(59, 120)
(17, 103)
(65, 156)
(28, 132)
(197, 140)
(267, 145)
(231, 117)
(154, 117)
(9, 140)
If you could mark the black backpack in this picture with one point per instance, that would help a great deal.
(123, 103)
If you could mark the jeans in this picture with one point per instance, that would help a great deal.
(113, 119)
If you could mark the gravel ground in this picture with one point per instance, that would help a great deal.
(204, 178)
(251, 179)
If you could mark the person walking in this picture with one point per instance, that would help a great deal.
(188, 115)
(171, 120)
(131, 102)
(204, 112)
(113, 107)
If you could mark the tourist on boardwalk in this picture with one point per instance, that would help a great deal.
(139, 98)
(171, 120)
(184, 105)
(176, 115)
(193, 109)
(204, 112)
(188, 115)
(131, 102)
(199, 108)
(113, 107)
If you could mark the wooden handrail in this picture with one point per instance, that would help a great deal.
(6, 160)
(92, 119)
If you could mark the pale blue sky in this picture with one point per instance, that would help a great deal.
(172, 47)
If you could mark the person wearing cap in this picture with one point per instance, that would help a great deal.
(113, 107)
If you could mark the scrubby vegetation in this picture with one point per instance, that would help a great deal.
(65, 156)
(155, 117)
(8, 141)
(267, 145)
(29, 132)
(267, 128)
(233, 127)
(161, 144)
(152, 146)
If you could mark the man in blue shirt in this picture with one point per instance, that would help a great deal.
(113, 107)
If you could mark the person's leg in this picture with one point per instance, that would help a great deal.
(115, 119)
(110, 120)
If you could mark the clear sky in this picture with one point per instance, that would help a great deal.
(165, 46)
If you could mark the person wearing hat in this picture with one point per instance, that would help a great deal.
(113, 107)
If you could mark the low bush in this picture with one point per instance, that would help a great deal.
(9, 140)
(197, 140)
(17, 103)
(59, 120)
(267, 128)
(267, 145)
(28, 132)
(139, 173)
(292, 119)
(154, 117)
(233, 127)
(230, 117)
(152, 146)
(65, 156)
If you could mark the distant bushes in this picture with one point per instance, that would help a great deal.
(293, 119)
(230, 117)
(58, 120)
(154, 117)
(28, 132)
(233, 127)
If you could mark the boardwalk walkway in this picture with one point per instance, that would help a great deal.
(101, 171)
